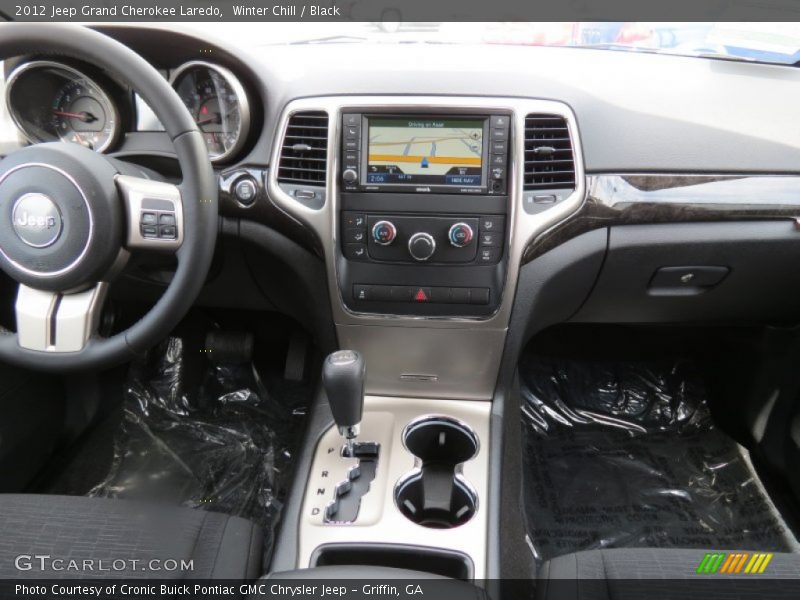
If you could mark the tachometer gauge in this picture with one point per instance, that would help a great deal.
(50, 101)
(219, 105)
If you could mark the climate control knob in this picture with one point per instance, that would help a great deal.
(421, 246)
(460, 235)
(384, 232)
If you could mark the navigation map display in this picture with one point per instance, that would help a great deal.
(425, 151)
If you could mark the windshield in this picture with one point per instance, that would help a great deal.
(761, 42)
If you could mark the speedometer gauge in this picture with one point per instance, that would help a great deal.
(50, 101)
(219, 105)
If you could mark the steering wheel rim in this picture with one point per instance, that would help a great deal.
(198, 192)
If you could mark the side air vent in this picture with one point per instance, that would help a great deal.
(304, 153)
(549, 160)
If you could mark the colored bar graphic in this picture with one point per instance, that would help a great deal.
(733, 563)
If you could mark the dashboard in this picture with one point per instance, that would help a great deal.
(432, 184)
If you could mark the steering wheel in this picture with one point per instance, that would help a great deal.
(70, 217)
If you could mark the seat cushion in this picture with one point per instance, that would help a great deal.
(98, 537)
(623, 573)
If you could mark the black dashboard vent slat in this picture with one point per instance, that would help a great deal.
(304, 151)
(549, 156)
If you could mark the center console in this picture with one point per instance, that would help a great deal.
(422, 206)
(423, 211)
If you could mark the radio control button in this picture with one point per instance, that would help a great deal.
(350, 176)
(499, 121)
(497, 134)
(460, 235)
(421, 246)
(384, 233)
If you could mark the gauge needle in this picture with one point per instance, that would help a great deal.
(209, 120)
(86, 117)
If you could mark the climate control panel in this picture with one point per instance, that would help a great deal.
(423, 239)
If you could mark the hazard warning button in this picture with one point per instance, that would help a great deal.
(422, 294)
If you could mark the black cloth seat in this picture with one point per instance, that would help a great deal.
(628, 573)
(74, 530)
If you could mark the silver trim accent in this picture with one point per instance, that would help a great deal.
(55, 322)
(89, 238)
(241, 99)
(378, 333)
(379, 520)
(134, 191)
(116, 125)
(433, 418)
(419, 236)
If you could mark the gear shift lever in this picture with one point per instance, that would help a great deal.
(343, 377)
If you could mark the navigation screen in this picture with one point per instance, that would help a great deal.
(425, 151)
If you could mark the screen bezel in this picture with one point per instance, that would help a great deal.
(424, 188)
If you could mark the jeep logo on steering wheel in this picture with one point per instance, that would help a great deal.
(36, 220)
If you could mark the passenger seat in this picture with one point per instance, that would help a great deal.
(624, 573)
(54, 537)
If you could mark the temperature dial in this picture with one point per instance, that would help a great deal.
(421, 246)
(460, 235)
(384, 232)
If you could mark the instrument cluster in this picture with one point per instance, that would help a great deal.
(51, 101)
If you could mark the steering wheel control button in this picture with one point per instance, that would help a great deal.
(245, 191)
(421, 246)
(384, 233)
(37, 220)
(160, 225)
(460, 235)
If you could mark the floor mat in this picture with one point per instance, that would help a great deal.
(626, 455)
(224, 444)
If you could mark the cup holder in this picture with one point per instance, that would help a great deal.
(435, 495)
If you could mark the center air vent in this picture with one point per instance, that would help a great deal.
(549, 160)
(304, 153)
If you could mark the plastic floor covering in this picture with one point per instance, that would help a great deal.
(626, 455)
(224, 443)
